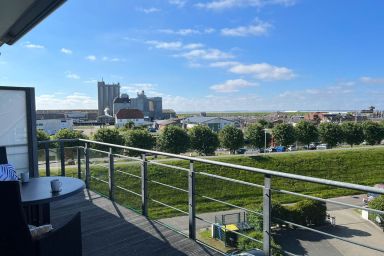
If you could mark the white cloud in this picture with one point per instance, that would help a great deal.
(193, 46)
(264, 71)
(224, 64)
(91, 81)
(105, 58)
(259, 29)
(372, 80)
(231, 86)
(227, 4)
(72, 101)
(149, 10)
(206, 54)
(178, 3)
(165, 45)
(66, 51)
(91, 57)
(186, 31)
(33, 46)
(71, 75)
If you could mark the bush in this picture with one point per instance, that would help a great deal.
(70, 134)
(42, 136)
(278, 212)
(377, 204)
(231, 138)
(246, 244)
(174, 139)
(107, 135)
(203, 140)
(308, 212)
(138, 139)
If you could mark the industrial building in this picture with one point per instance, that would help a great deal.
(106, 95)
(152, 107)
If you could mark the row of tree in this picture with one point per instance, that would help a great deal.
(203, 140)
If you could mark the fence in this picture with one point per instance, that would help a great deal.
(117, 152)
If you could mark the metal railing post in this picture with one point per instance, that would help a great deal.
(267, 215)
(47, 163)
(87, 170)
(144, 185)
(62, 158)
(191, 201)
(78, 162)
(111, 174)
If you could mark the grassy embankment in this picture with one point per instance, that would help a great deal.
(361, 166)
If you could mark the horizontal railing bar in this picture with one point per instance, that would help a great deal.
(169, 166)
(93, 177)
(328, 201)
(129, 157)
(99, 165)
(98, 150)
(129, 174)
(230, 179)
(251, 169)
(55, 141)
(330, 235)
(229, 204)
(169, 186)
(223, 226)
(169, 206)
(129, 191)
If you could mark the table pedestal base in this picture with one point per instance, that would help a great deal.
(38, 215)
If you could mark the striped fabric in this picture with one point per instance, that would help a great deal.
(7, 172)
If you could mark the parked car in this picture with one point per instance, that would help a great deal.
(271, 149)
(311, 146)
(322, 146)
(241, 150)
(292, 148)
(281, 149)
(263, 150)
(151, 129)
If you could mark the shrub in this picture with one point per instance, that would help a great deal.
(377, 204)
(138, 139)
(69, 134)
(174, 139)
(203, 140)
(246, 244)
(308, 212)
(42, 136)
(107, 135)
(231, 138)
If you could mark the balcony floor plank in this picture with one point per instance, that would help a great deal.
(110, 229)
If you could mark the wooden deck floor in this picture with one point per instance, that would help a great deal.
(110, 229)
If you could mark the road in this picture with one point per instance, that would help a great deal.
(349, 225)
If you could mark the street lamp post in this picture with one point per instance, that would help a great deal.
(265, 140)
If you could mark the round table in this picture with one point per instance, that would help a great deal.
(36, 196)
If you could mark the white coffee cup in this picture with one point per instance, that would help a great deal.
(24, 177)
(56, 185)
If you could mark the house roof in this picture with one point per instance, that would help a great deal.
(201, 119)
(129, 114)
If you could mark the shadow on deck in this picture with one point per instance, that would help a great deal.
(110, 229)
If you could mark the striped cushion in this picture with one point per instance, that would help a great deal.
(7, 172)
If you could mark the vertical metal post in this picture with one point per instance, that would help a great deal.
(78, 163)
(111, 174)
(87, 170)
(267, 215)
(192, 201)
(62, 158)
(47, 163)
(144, 186)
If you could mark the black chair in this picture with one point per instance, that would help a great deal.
(3, 155)
(15, 238)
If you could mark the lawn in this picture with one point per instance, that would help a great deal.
(361, 166)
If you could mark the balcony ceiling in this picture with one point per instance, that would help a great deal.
(17, 17)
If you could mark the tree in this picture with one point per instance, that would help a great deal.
(373, 132)
(203, 140)
(70, 134)
(284, 134)
(138, 139)
(42, 136)
(231, 138)
(256, 136)
(265, 123)
(330, 133)
(107, 135)
(306, 132)
(174, 139)
(353, 133)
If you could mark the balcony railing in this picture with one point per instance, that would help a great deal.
(83, 156)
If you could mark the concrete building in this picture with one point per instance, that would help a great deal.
(52, 126)
(152, 107)
(106, 95)
(125, 116)
(214, 123)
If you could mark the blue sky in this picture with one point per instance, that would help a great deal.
(213, 55)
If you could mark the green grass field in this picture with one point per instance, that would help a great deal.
(361, 166)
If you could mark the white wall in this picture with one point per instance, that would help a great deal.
(51, 126)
